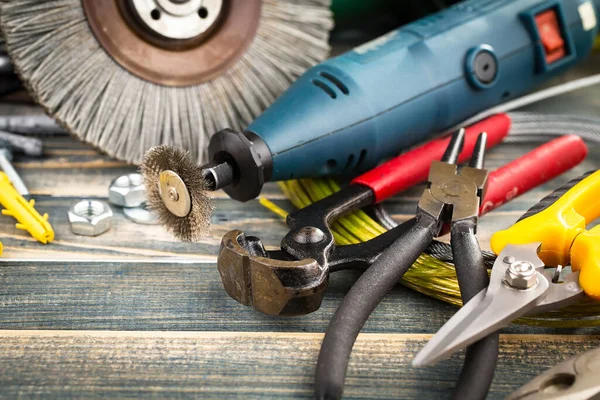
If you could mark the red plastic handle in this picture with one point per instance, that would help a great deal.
(412, 168)
(533, 169)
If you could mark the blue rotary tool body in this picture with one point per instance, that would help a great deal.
(350, 112)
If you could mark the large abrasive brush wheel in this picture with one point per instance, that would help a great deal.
(126, 75)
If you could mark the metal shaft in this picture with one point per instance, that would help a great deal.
(6, 66)
(478, 158)
(29, 146)
(30, 124)
(218, 175)
(8, 169)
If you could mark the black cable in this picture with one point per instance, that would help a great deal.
(443, 252)
(481, 357)
(361, 300)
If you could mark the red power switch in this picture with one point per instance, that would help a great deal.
(551, 36)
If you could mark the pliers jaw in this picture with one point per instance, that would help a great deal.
(452, 196)
(576, 378)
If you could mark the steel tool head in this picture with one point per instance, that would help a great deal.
(27, 145)
(6, 148)
(560, 294)
(493, 308)
(292, 281)
(457, 142)
(478, 157)
(267, 281)
(574, 379)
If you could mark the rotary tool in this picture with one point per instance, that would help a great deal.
(347, 114)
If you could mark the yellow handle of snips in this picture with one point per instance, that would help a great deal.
(22, 210)
(561, 230)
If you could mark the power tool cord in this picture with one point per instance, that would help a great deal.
(534, 126)
(536, 97)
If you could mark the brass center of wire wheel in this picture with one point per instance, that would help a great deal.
(168, 55)
(174, 194)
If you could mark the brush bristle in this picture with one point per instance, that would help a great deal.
(71, 75)
(196, 224)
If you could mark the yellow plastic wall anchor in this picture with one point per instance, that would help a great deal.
(22, 210)
(585, 257)
(558, 225)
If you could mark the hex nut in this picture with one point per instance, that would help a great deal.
(90, 217)
(141, 215)
(127, 191)
(521, 275)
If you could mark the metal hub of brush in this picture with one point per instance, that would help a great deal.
(177, 19)
(174, 194)
(128, 75)
(174, 42)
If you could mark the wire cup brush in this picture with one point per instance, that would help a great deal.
(127, 75)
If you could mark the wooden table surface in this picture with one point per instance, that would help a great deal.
(112, 316)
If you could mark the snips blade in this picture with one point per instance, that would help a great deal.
(561, 294)
(492, 309)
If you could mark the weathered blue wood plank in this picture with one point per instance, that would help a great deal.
(183, 297)
(57, 365)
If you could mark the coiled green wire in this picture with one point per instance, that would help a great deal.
(428, 275)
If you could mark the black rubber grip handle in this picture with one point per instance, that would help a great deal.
(554, 196)
(481, 358)
(361, 300)
(468, 261)
(477, 373)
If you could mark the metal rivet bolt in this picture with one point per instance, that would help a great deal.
(509, 259)
(521, 275)
(309, 235)
(173, 195)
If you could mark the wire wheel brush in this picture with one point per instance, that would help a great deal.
(175, 187)
(127, 75)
